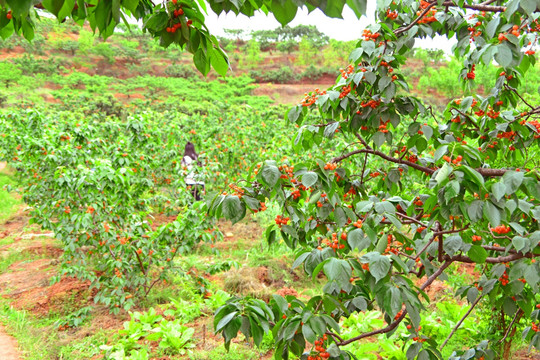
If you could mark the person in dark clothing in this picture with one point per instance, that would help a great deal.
(190, 158)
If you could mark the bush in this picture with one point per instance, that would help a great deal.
(180, 71)
(284, 75)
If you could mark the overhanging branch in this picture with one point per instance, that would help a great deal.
(482, 171)
(396, 322)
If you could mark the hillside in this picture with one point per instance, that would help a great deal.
(66, 63)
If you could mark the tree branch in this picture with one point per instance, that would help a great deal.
(480, 7)
(451, 231)
(461, 321)
(415, 21)
(518, 315)
(386, 157)
(424, 169)
(396, 322)
(494, 260)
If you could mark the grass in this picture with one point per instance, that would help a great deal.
(33, 335)
(8, 202)
(15, 256)
(236, 353)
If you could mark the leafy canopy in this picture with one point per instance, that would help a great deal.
(414, 192)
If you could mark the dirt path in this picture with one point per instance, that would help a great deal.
(8, 346)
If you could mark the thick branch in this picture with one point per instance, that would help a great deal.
(424, 169)
(494, 260)
(480, 7)
(415, 21)
(451, 231)
(386, 157)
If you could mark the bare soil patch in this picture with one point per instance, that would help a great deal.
(8, 346)
(288, 94)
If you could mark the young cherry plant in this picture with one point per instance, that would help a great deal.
(413, 191)
(95, 184)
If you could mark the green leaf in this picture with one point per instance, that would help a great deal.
(294, 113)
(379, 266)
(131, 5)
(529, 6)
(472, 294)
(498, 189)
(428, 132)
(201, 61)
(452, 244)
(309, 334)
(478, 254)
(225, 320)
(270, 174)
(219, 61)
(309, 179)
(384, 207)
(519, 243)
(491, 27)
(492, 214)
(503, 55)
(357, 239)
(443, 173)
(157, 22)
(300, 259)
(473, 175)
(281, 303)
(378, 139)
(413, 350)
(356, 54)
(474, 210)
(284, 11)
(338, 270)
(358, 6)
(233, 209)
(19, 7)
(390, 91)
(340, 217)
(440, 152)
(383, 82)
(512, 180)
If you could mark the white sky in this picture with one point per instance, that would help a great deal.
(348, 28)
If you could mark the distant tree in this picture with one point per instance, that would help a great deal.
(105, 50)
(253, 50)
(70, 45)
(235, 34)
(86, 41)
(287, 46)
(309, 32)
(266, 38)
(130, 50)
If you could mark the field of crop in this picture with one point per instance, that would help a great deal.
(104, 254)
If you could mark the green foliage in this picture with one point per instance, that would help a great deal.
(104, 49)
(253, 53)
(86, 41)
(180, 71)
(284, 75)
(7, 198)
(418, 191)
(9, 73)
(174, 338)
(74, 319)
(398, 190)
